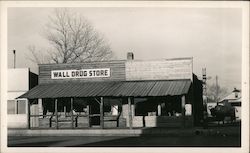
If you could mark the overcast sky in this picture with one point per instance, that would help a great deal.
(211, 36)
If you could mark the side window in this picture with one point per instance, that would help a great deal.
(21, 106)
(11, 106)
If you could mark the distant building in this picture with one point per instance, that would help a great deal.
(20, 80)
(234, 100)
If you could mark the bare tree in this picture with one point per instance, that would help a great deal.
(38, 56)
(216, 92)
(73, 39)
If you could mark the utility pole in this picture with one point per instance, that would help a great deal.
(204, 87)
(216, 92)
(14, 52)
(204, 81)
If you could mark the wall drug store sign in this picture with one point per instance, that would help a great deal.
(83, 73)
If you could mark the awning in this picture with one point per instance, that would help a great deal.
(110, 89)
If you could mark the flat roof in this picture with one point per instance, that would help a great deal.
(170, 59)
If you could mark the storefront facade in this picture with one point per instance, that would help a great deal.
(116, 94)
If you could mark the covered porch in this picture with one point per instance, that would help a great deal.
(128, 104)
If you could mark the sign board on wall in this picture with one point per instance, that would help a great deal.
(188, 108)
(83, 73)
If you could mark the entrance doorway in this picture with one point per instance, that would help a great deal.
(94, 113)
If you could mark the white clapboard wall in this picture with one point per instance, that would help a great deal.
(121, 70)
(172, 69)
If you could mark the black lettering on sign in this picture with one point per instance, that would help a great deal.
(65, 74)
(81, 73)
(85, 73)
(73, 74)
(97, 73)
(55, 74)
(102, 73)
(77, 73)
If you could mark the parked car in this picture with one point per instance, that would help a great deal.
(220, 112)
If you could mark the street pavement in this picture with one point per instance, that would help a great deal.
(215, 136)
(141, 141)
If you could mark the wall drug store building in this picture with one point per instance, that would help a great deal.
(116, 94)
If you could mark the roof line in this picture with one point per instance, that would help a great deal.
(81, 62)
(169, 59)
(75, 82)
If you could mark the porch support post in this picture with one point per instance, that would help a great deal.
(132, 108)
(159, 110)
(56, 112)
(183, 102)
(71, 112)
(16, 103)
(28, 113)
(40, 107)
(130, 113)
(89, 117)
(101, 114)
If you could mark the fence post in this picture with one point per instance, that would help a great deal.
(101, 114)
(130, 113)
(71, 112)
(183, 102)
(28, 113)
(56, 111)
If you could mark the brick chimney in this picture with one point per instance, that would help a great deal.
(130, 56)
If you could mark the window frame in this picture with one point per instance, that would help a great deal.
(25, 101)
(16, 106)
(14, 103)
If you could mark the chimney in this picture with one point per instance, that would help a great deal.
(130, 56)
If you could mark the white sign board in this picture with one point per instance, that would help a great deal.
(83, 73)
(188, 108)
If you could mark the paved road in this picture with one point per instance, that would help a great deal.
(80, 141)
(216, 136)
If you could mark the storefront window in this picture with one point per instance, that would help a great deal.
(11, 106)
(21, 106)
(16, 107)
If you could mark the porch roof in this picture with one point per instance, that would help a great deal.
(110, 89)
